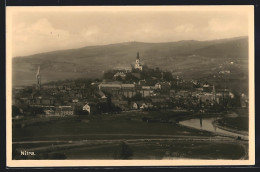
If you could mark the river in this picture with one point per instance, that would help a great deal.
(207, 125)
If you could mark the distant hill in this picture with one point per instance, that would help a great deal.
(190, 59)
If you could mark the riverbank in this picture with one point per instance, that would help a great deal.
(212, 124)
(233, 124)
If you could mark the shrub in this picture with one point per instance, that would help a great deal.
(123, 151)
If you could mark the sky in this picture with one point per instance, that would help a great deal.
(36, 30)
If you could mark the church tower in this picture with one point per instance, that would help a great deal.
(137, 63)
(38, 79)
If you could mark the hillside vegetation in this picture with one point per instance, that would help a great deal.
(189, 59)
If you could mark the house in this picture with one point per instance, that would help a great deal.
(49, 112)
(86, 107)
(207, 88)
(64, 111)
(204, 97)
(183, 93)
(128, 86)
(224, 72)
(163, 85)
(142, 82)
(104, 86)
(146, 105)
(134, 106)
(146, 91)
(101, 94)
(113, 88)
(75, 100)
(128, 90)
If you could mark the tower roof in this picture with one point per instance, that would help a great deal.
(38, 71)
(137, 56)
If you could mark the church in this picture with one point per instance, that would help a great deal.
(137, 63)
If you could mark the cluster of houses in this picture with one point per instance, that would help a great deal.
(63, 99)
(160, 95)
(130, 90)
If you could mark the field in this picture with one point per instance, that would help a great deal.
(237, 123)
(97, 137)
(96, 127)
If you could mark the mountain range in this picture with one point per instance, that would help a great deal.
(189, 58)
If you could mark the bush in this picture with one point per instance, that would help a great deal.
(123, 151)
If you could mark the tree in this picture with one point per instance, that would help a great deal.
(123, 151)
(167, 76)
(15, 110)
(35, 111)
(79, 111)
(119, 78)
(108, 75)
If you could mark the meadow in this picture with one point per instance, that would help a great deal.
(150, 135)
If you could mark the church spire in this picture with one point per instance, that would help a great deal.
(137, 62)
(38, 72)
(38, 79)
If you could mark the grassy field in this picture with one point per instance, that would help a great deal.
(154, 149)
(235, 123)
(97, 137)
(163, 150)
(97, 127)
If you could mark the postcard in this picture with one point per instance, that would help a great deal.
(130, 86)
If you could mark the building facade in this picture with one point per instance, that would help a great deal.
(86, 108)
(64, 111)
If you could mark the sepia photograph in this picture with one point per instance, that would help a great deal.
(130, 86)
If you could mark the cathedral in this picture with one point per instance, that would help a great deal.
(137, 63)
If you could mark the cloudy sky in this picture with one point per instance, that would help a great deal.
(36, 30)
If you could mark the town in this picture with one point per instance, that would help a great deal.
(131, 83)
(139, 89)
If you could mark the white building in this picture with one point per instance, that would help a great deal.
(64, 111)
(120, 74)
(135, 106)
(86, 108)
